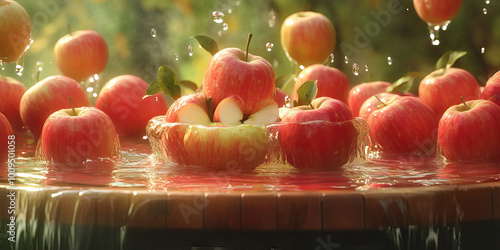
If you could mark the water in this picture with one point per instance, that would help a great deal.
(485, 11)
(389, 60)
(271, 18)
(138, 168)
(269, 46)
(190, 50)
(225, 26)
(153, 32)
(346, 60)
(366, 68)
(217, 16)
(332, 58)
(355, 69)
(176, 57)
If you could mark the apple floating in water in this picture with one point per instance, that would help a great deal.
(15, 31)
(308, 37)
(470, 131)
(11, 93)
(318, 133)
(81, 54)
(48, 96)
(443, 87)
(75, 136)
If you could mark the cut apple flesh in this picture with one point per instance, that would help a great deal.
(228, 112)
(265, 116)
(193, 114)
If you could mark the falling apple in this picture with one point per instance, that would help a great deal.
(81, 54)
(436, 12)
(15, 31)
(308, 37)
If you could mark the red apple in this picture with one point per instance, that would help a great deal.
(281, 98)
(404, 126)
(81, 54)
(323, 136)
(470, 131)
(75, 136)
(122, 100)
(15, 31)
(373, 103)
(331, 82)
(437, 12)
(10, 94)
(361, 92)
(5, 132)
(492, 89)
(443, 88)
(252, 80)
(308, 37)
(48, 96)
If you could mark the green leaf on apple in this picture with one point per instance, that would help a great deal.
(207, 43)
(307, 92)
(402, 85)
(153, 89)
(449, 58)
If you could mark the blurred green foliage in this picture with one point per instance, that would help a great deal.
(127, 26)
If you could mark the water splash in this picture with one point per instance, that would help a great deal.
(271, 18)
(332, 58)
(389, 60)
(355, 69)
(225, 26)
(153, 33)
(346, 60)
(217, 16)
(190, 50)
(366, 68)
(19, 69)
(434, 31)
(269, 46)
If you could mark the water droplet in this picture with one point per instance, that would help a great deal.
(389, 60)
(444, 26)
(145, 137)
(482, 50)
(19, 70)
(220, 33)
(272, 18)
(217, 16)
(90, 89)
(332, 58)
(153, 32)
(225, 26)
(355, 69)
(96, 77)
(434, 34)
(288, 102)
(485, 11)
(229, 11)
(487, 1)
(302, 67)
(190, 50)
(94, 95)
(269, 46)
(1, 65)
(366, 68)
(346, 59)
(176, 56)
(39, 66)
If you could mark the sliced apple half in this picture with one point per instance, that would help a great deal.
(191, 109)
(229, 111)
(265, 116)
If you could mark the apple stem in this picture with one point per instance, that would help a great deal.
(463, 101)
(248, 45)
(38, 75)
(72, 107)
(210, 109)
(380, 100)
(69, 30)
(309, 101)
